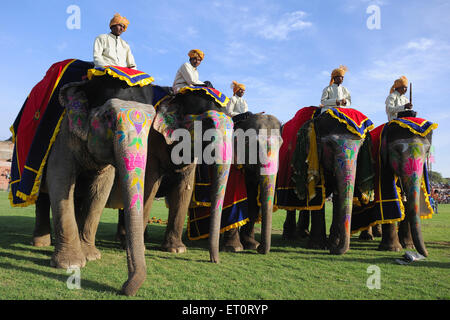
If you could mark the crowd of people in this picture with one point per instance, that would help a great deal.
(441, 192)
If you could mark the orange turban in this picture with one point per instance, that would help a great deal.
(400, 82)
(236, 86)
(196, 53)
(118, 19)
(338, 72)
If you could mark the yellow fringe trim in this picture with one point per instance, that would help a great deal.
(142, 83)
(352, 130)
(232, 226)
(222, 104)
(403, 125)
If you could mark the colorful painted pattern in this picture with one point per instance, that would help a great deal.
(133, 126)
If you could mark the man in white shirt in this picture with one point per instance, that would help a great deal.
(336, 95)
(110, 49)
(396, 101)
(237, 103)
(187, 74)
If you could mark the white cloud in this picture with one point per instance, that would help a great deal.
(278, 30)
(421, 44)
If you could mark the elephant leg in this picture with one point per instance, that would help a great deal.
(389, 240)
(179, 198)
(121, 234)
(404, 234)
(366, 234)
(93, 206)
(317, 236)
(376, 230)
(42, 229)
(232, 242)
(303, 223)
(61, 177)
(333, 239)
(289, 226)
(247, 231)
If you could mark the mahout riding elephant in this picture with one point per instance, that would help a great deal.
(262, 133)
(333, 166)
(404, 147)
(180, 111)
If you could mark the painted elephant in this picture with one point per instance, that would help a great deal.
(92, 142)
(338, 151)
(179, 111)
(263, 134)
(403, 152)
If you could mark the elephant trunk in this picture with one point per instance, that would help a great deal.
(345, 174)
(219, 180)
(267, 193)
(131, 153)
(411, 184)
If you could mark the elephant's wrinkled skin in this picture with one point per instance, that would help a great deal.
(338, 153)
(112, 135)
(158, 160)
(405, 154)
(256, 176)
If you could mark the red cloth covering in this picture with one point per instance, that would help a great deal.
(289, 135)
(35, 107)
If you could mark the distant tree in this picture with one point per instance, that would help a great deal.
(436, 177)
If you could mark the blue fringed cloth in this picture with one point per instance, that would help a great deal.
(219, 97)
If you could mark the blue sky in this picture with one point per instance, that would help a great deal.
(283, 50)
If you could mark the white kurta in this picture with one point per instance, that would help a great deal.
(237, 105)
(332, 93)
(186, 76)
(112, 50)
(395, 103)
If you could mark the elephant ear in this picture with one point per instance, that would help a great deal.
(74, 99)
(167, 121)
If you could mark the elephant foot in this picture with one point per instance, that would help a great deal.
(303, 233)
(376, 231)
(90, 251)
(122, 239)
(68, 258)
(249, 243)
(42, 241)
(174, 247)
(338, 250)
(390, 246)
(365, 235)
(232, 248)
(407, 244)
(320, 244)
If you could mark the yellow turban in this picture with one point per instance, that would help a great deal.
(338, 72)
(118, 19)
(236, 86)
(400, 82)
(196, 53)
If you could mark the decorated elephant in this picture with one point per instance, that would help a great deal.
(319, 157)
(401, 148)
(263, 131)
(98, 133)
(256, 142)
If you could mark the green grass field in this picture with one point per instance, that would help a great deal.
(288, 272)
